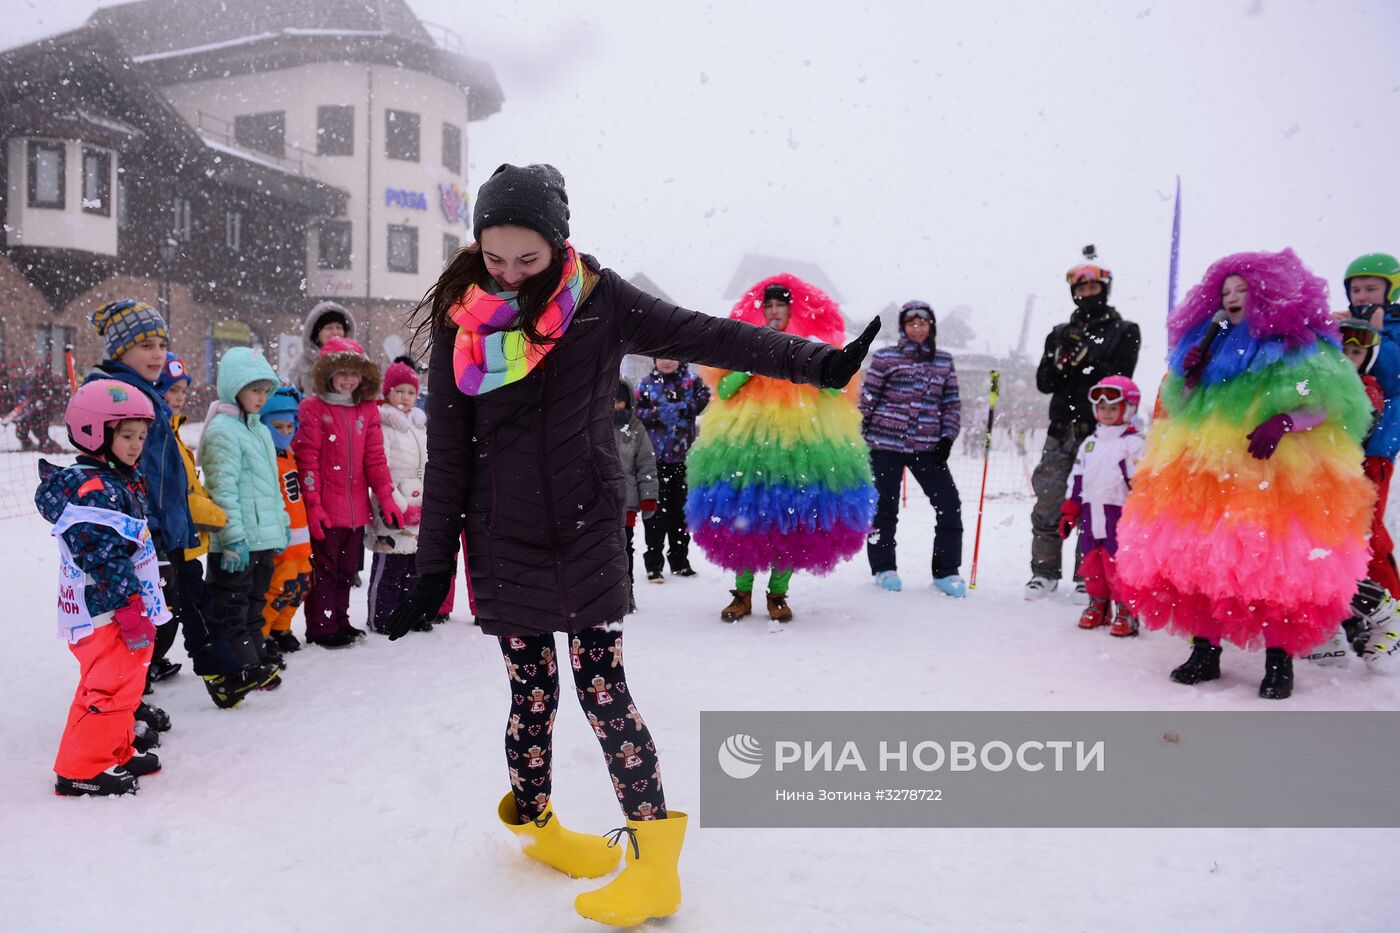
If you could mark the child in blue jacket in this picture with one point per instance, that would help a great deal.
(135, 339)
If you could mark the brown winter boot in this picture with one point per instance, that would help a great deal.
(778, 609)
(742, 605)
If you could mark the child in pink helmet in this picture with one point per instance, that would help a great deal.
(1098, 487)
(109, 591)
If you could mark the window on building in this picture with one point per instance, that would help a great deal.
(233, 231)
(51, 341)
(450, 245)
(97, 182)
(403, 248)
(333, 244)
(452, 148)
(182, 223)
(335, 130)
(46, 175)
(401, 135)
(263, 132)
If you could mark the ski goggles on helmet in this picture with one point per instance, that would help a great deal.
(916, 309)
(1088, 273)
(1106, 394)
(1357, 337)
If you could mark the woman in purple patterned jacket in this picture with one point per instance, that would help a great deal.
(911, 418)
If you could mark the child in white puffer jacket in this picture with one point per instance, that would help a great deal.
(405, 427)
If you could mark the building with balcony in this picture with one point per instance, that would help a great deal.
(291, 151)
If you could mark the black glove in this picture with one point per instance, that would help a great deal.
(942, 449)
(423, 603)
(841, 366)
(1073, 349)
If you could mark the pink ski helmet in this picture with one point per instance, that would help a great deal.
(1115, 389)
(99, 404)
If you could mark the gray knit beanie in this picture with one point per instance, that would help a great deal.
(527, 196)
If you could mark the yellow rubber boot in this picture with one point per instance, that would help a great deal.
(649, 886)
(577, 855)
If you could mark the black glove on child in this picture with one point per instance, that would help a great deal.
(841, 366)
(423, 603)
(942, 449)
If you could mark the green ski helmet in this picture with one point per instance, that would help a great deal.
(1380, 265)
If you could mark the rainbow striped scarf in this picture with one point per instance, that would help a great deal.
(489, 351)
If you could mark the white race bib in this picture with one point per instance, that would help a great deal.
(74, 621)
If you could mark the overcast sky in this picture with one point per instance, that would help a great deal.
(958, 152)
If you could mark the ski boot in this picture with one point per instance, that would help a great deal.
(1125, 624)
(1204, 663)
(1278, 675)
(778, 609)
(355, 633)
(153, 716)
(655, 576)
(262, 676)
(162, 670)
(952, 585)
(889, 580)
(140, 764)
(1369, 600)
(686, 571)
(1040, 587)
(110, 783)
(740, 606)
(340, 639)
(144, 738)
(1383, 637)
(286, 641)
(224, 690)
(1098, 613)
(273, 655)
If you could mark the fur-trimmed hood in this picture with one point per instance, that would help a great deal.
(333, 360)
(299, 373)
(814, 314)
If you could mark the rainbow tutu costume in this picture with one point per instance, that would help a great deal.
(780, 475)
(1217, 544)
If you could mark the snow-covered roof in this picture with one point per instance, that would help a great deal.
(149, 28)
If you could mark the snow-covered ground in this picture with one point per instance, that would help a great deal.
(361, 795)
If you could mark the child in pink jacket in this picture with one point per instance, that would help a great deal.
(340, 456)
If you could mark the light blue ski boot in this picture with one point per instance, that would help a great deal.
(953, 586)
(889, 579)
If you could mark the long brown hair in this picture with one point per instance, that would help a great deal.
(468, 268)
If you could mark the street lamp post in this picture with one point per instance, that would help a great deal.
(167, 248)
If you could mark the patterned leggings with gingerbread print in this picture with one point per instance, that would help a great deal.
(595, 655)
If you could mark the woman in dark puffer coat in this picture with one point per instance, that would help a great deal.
(527, 339)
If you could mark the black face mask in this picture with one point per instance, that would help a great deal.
(620, 418)
(1091, 303)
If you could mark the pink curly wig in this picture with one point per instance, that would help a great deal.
(814, 315)
(1285, 300)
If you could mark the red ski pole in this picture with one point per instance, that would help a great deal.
(986, 459)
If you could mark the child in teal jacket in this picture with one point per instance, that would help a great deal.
(240, 472)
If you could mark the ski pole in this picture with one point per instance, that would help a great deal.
(72, 375)
(986, 459)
